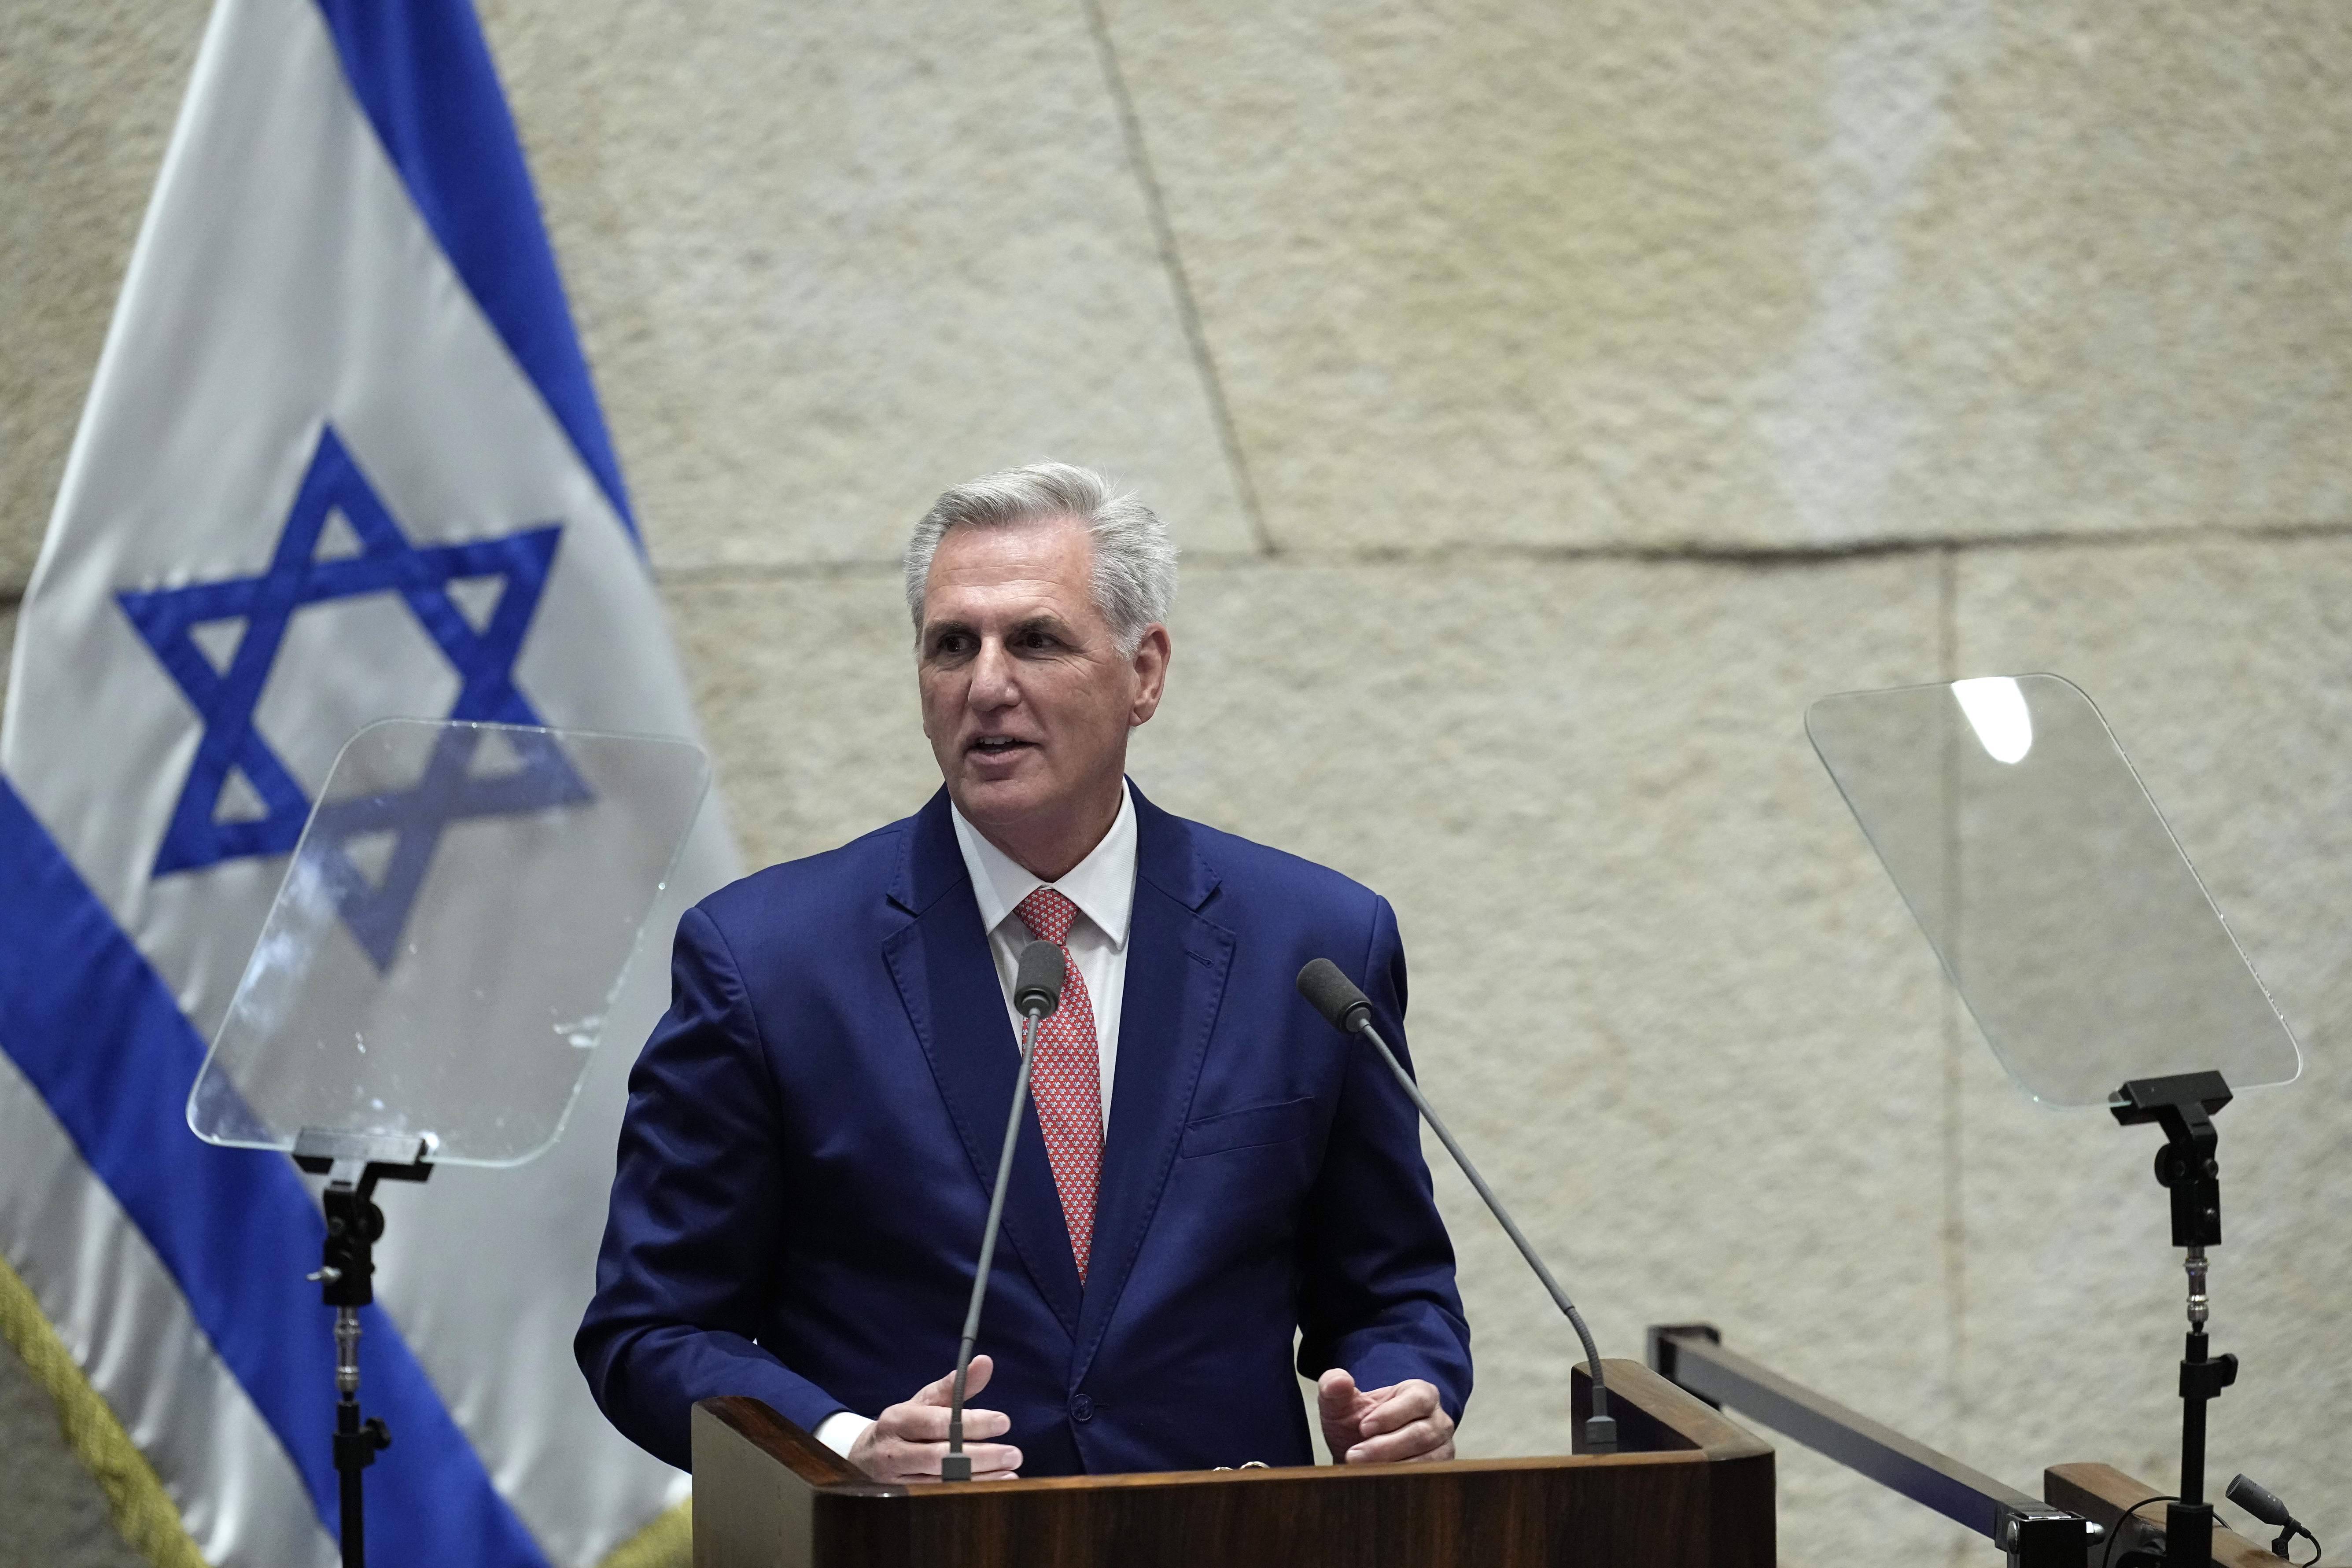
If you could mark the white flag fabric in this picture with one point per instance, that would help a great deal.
(341, 461)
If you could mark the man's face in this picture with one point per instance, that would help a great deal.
(1026, 698)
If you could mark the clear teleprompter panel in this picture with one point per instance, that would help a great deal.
(449, 939)
(2058, 901)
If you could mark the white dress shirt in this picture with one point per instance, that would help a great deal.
(1102, 885)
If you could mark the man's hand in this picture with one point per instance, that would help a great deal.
(907, 1441)
(1383, 1426)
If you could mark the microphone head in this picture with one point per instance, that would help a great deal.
(1335, 995)
(2260, 1501)
(1037, 984)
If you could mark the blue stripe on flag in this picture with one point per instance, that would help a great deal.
(95, 1029)
(422, 73)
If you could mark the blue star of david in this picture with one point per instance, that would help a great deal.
(447, 791)
(224, 699)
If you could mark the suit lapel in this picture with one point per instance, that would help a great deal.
(948, 981)
(1177, 962)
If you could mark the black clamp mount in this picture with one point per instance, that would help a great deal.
(352, 1165)
(2184, 1105)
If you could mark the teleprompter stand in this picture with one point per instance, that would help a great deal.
(436, 970)
(346, 1280)
(2183, 1105)
(2085, 946)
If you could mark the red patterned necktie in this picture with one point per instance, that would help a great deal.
(1065, 1078)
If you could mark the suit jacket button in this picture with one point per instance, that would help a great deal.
(1082, 1408)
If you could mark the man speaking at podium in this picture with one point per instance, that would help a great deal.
(1207, 1167)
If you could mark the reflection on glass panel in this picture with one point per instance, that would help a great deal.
(449, 938)
(2060, 906)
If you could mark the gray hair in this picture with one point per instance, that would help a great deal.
(1135, 560)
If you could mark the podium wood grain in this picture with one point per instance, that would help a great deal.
(767, 1495)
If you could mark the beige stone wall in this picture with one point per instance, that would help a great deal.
(1553, 399)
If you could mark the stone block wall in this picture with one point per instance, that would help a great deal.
(1552, 401)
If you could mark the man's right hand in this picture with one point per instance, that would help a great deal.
(907, 1441)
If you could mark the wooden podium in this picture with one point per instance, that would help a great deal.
(1691, 1490)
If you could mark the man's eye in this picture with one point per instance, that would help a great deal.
(951, 646)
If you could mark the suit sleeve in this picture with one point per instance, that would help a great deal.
(1377, 1293)
(696, 1195)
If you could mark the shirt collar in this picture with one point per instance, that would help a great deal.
(1102, 885)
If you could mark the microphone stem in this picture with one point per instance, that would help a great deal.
(1559, 1296)
(956, 1461)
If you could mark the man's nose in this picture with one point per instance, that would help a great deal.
(992, 683)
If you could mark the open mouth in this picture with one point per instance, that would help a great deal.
(996, 745)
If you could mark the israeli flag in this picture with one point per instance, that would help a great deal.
(341, 461)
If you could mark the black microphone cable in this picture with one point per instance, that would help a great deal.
(1350, 1012)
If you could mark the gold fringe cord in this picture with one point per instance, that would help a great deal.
(143, 1510)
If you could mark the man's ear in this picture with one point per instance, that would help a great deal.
(1150, 665)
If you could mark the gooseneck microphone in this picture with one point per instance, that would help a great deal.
(1350, 1012)
(1036, 992)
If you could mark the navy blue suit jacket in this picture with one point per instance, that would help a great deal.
(812, 1134)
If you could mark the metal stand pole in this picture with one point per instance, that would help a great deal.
(356, 1442)
(2188, 1523)
(2184, 1105)
(346, 1281)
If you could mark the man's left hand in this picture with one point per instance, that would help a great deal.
(1383, 1426)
